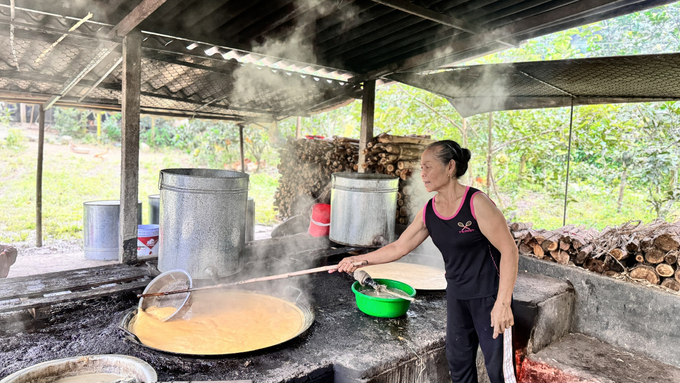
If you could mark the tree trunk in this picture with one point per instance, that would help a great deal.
(622, 188)
(489, 155)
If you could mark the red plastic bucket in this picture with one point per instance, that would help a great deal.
(320, 223)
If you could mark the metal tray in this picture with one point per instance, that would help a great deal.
(290, 294)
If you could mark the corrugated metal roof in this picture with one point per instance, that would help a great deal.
(530, 85)
(196, 52)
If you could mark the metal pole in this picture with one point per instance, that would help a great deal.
(243, 161)
(566, 186)
(38, 179)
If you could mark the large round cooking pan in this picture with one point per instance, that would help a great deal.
(292, 295)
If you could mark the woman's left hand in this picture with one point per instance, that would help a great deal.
(501, 318)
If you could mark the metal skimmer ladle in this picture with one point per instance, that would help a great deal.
(173, 288)
(366, 280)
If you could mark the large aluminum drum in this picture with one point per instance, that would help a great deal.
(202, 221)
(100, 229)
(363, 207)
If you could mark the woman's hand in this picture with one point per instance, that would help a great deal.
(347, 265)
(501, 318)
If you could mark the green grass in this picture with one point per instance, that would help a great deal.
(69, 179)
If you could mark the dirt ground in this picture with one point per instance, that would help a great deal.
(61, 255)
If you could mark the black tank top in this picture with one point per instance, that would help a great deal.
(471, 261)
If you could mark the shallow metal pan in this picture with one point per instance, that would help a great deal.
(290, 294)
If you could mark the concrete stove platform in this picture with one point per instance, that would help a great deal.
(579, 358)
(343, 345)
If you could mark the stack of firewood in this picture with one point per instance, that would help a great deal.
(632, 250)
(344, 156)
(305, 178)
(306, 166)
(398, 156)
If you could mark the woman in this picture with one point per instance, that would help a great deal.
(481, 264)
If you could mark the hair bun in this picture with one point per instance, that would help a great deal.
(467, 154)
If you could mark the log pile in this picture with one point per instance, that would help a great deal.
(630, 251)
(305, 177)
(398, 156)
(306, 166)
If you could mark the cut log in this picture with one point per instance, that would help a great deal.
(516, 226)
(645, 272)
(654, 255)
(550, 242)
(665, 270)
(633, 245)
(611, 273)
(619, 254)
(583, 253)
(408, 164)
(386, 138)
(520, 234)
(611, 264)
(677, 275)
(538, 251)
(671, 283)
(594, 265)
(562, 257)
(666, 242)
(639, 258)
(525, 249)
(671, 257)
(565, 246)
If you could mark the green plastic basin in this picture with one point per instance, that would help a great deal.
(384, 307)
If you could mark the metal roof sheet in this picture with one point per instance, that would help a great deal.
(529, 85)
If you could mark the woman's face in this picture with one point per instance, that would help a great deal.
(434, 174)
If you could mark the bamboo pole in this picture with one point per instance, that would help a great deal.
(39, 176)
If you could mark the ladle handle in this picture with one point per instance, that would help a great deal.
(252, 280)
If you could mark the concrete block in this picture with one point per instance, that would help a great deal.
(634, 317)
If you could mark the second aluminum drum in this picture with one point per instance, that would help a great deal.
(363, 208)
(202, 221)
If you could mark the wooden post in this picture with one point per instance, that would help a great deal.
(129, 172)
(298, 127)
(38, 178)
(99, 125)
(243, 158)
(367, 111)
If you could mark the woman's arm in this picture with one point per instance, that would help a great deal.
(493, 226)
(412, 237)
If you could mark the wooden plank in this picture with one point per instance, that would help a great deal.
(16, 305)
(40, 285)
(135, 17)
(39, 177)
(367, 113)
(129, 172)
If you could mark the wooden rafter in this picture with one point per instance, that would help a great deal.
(134, 18)
(437, 17)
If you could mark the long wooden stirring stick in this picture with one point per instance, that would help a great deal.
(260, 279)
